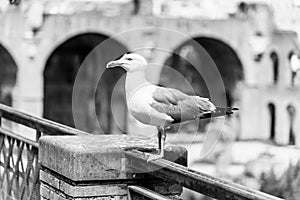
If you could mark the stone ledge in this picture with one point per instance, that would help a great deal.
(49, 193)
(99, 188)
(95, 157)
(83, 190)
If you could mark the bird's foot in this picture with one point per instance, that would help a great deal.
(153, 157)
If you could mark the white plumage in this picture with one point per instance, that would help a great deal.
(154, 105)
(139, 105)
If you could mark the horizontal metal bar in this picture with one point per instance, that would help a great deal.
(40, 124)
(18, 137)
(194, 180)
(147, 193)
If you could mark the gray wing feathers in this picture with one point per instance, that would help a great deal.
(178, 105)
(168, 95)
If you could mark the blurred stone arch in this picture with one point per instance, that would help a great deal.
(291, 109)
(272, 116)
(189, 54)
(275, 66)
(8, 75)
(60, 73)
(294, 66)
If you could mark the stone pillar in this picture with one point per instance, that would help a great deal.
(96, 167)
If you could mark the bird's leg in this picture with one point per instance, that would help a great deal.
(163, 141)
(159, 134)
(161, 145)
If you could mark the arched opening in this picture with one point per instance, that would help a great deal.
(294, 64)
(60, 73)
(189, 56)
(272, 114)
(275, 63)
(292, 113)
(8, 76)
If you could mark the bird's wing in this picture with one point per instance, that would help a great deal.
(168, 95)
(179, 106)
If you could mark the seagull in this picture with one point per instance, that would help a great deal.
(160, 106)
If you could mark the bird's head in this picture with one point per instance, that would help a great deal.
(130, 62)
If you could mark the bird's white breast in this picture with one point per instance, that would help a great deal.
(139, 105)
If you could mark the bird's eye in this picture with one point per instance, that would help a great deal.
(128, 58)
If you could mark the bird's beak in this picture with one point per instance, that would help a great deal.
(115, 63)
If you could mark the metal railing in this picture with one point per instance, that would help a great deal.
(194, 180)
(19, 168)
(145, 192)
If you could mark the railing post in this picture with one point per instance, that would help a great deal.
(96, 167)
(38, 135)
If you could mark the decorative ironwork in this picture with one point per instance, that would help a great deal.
(19, 167)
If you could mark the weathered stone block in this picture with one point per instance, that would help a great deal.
(95, 167)
(94, 157)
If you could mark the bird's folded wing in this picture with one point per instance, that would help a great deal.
(179, 106)
(168, 95)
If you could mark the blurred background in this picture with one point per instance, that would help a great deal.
(254, 45)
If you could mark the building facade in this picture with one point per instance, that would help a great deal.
(41, 55)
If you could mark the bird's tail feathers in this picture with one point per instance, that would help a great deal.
(218, 112)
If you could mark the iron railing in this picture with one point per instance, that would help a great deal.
(145, 192)
(191, 179)
(19, 168)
